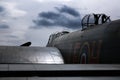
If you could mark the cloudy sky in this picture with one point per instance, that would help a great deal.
(35, 20)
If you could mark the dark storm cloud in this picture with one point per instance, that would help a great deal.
(1, 9)
(43, 22)
(51, 19)
(49, 15)
(4, 26)
(68, 10)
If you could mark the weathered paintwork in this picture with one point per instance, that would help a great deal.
(98, 44)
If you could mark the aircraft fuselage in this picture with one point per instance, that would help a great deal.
(100, 44)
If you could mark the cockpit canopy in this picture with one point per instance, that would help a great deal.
(54, 36)
(94, 19)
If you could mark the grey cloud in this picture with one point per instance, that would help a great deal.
(54, 19)
(4, 26)
(43, 22)
(1, 9)
(68, 10)
(11, 36)
(49, 15)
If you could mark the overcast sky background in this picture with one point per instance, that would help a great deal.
(35, 20)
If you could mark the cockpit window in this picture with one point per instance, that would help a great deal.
(94, 19)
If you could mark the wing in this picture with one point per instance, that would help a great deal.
(17, 54)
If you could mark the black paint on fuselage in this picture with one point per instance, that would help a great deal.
(98, 44)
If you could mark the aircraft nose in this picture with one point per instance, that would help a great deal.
(119, 34)
(117, 30)
(114, 29)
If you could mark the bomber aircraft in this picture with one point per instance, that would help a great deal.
(97, 43)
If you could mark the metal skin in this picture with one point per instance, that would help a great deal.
(98, 44)
(29, 55)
